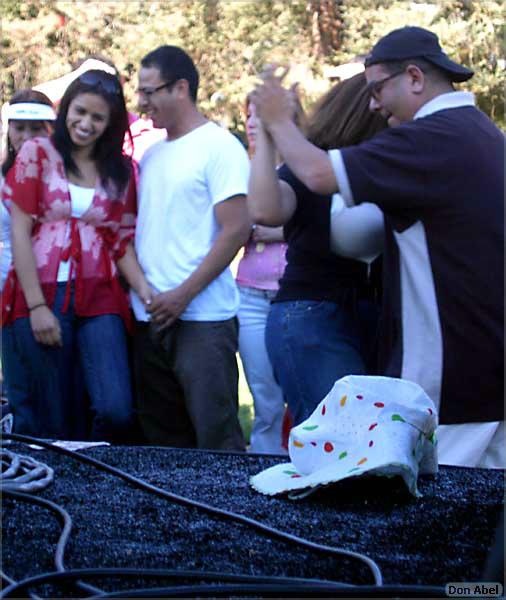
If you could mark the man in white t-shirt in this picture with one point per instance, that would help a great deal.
(192, 221)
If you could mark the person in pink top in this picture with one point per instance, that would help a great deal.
(258, 274)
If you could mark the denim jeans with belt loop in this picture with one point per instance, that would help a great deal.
(311, 345)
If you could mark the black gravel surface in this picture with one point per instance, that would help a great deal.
(441, 537)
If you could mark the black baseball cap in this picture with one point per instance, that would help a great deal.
(416, 42)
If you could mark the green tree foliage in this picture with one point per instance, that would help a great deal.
(230, 40)
(476, 34)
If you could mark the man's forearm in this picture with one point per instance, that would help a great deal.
(224, 250)
(309, 163)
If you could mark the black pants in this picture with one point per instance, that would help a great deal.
(187, 384)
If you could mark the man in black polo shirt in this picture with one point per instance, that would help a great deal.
(438, 177)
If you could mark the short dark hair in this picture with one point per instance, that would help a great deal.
(394, 66)
(112, 165)
(24, 95)
(174, 63)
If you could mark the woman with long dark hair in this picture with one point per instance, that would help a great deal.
(314, 331)
(73, 203)
(29, 114)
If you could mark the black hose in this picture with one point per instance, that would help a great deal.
(226, 584)
(141, 484)
(66, 525)
(15, 590)
(281, 591)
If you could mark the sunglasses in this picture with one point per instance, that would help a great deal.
(109, 83)
(375, 87)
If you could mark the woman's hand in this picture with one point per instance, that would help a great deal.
(45, 326)
(273, 102)
(268, 235)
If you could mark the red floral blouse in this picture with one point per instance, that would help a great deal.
(38, 185)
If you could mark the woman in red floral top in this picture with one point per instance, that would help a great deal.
(73, 204)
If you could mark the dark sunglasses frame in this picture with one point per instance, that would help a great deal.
(108, 82)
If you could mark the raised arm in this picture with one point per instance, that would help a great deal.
(309, 164)
(55, 88)
(271, 202)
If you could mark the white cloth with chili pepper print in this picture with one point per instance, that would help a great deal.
(365, 425)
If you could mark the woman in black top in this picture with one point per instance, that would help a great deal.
(314, 334)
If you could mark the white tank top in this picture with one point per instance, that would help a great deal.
(81, 199)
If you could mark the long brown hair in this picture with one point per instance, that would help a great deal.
(25, 95)
(342, 116)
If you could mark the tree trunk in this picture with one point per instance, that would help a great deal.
(326, 26)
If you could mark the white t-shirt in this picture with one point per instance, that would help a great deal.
(81, 199)
(5, 244)
(181, 181)
(356, 231)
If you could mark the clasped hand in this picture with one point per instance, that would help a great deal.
(273, 102)
(166, 307)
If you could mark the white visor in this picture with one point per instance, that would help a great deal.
(30, 111)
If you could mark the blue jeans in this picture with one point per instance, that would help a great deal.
(17, 386)
(93, 359)
(311, 345)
